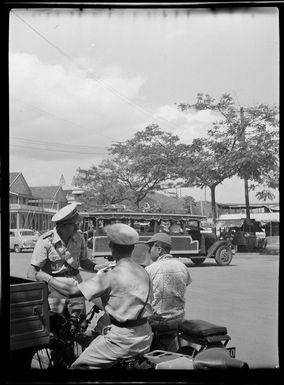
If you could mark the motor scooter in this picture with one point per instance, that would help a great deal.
(195, 344)
(203, 342)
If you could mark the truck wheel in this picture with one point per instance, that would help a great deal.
(17, 249)
(224, 255)
(197, 261)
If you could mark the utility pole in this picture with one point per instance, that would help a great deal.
(242, 138)
(205, 200)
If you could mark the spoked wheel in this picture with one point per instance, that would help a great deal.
(223, 255)
(56, 356)
(43, 359)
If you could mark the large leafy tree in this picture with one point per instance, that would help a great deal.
(147, 161)
(208, 164)
(101, 184)
(242, 142)
(135, 167)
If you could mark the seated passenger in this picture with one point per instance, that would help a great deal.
(170, 277)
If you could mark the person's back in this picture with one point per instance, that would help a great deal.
(126, 295)
(125, 289)
(170, 278)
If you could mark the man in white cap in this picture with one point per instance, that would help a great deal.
(170, 277)
(126, 295)
(60, 252)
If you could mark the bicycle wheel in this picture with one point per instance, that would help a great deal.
(56, 355)
(42, 359)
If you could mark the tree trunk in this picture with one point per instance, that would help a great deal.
(213, 205)
(247, 198)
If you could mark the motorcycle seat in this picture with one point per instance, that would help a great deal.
(200, 328)
(217, 358)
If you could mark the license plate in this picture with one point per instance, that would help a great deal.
(232, 352)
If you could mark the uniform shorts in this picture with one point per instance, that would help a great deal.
(115, 344)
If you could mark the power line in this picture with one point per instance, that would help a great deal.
(46, 143)
(88, 72)
(59, 150)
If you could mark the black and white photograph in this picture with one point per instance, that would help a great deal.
(143, 189)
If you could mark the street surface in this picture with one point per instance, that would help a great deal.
(242, 296)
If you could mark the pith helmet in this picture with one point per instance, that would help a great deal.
(122, 234)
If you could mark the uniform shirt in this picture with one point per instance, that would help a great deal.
(53, 256)
(123, 290)
(170, 278)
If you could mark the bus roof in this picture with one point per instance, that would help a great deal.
(142, 215)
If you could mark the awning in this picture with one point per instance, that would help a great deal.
(230, 223)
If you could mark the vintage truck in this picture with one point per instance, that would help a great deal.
(29, 320)
(188, 238)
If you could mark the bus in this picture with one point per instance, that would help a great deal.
(188, 239)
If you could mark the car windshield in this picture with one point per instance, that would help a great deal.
(27, 232)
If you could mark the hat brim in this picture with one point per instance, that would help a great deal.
(73, 220)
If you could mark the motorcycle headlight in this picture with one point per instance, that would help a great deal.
(246, 235)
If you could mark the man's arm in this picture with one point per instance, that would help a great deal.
(31, 274)
(88, 265)
(38, 259)
(67, 288)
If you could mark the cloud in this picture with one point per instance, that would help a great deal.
(189, 124)
(52, 103)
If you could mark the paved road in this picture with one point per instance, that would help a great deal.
(242, 296)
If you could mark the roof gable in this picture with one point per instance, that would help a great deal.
(18, 184)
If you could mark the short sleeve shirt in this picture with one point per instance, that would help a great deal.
(123, 290)
(170, 278)
(53, 256)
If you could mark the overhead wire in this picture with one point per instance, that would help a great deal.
(58, 150)
(47, 143)
(98, 79)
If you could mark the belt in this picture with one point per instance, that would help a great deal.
(129, 323)
(68, 273)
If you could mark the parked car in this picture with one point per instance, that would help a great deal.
(22, 239)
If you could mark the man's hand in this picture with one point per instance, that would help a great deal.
(109, 266)
(41, 276)
(103, 265)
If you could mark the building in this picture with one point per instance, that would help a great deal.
(72, 193)
(33, 207)
(268, 215)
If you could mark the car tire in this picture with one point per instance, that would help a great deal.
(17, 249)
(224, 255)
(198, 261)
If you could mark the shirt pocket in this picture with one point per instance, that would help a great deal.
(53, 256)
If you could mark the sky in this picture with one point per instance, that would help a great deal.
(81, 80)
